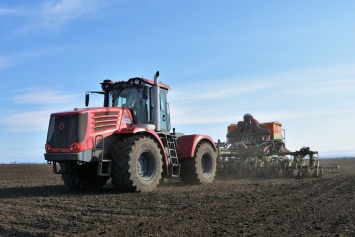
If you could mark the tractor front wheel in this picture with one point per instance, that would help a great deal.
(77, 177)
(137, 164)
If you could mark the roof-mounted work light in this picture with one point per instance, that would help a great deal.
(135, 81)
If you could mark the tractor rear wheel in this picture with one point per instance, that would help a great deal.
(136, 164)
(201, 169)
(78, 177)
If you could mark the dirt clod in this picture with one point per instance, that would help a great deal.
(35, 203)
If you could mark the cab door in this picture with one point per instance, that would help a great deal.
(164, 112)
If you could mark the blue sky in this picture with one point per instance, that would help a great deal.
(288, 61)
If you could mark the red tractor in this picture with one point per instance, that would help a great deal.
(128, 140)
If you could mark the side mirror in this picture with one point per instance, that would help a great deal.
(145, 93)
(87, 99)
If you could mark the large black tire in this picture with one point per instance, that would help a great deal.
(136, 164)
(201, 169)
(78, 177)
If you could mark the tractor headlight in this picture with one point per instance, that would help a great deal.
(74, 147)
(48, 147)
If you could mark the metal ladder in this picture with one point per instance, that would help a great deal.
(173, 166)
(101, 161)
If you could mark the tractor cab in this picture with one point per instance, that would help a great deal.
(146, 99)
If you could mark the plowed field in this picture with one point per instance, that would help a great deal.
(34, 203)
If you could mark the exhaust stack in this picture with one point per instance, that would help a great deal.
(156, 102)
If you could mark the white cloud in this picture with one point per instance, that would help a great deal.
(52, 15)
(303, 94)
(19, 57)
(4, 63)
(29, 121)
(215, 90)
(35, 120)
(18, 11)
(43, 96)
(296, 115)
(323, 88)
(56, 14)
(38, 104)
(319, 81)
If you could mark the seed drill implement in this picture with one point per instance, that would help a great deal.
(258, 149)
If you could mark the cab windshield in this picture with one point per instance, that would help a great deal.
(132, 98)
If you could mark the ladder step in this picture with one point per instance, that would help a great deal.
(100, 170)
(174, 166)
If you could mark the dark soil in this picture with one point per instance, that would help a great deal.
(34, 203)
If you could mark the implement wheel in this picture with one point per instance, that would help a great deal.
(136, 164)
(201, 169)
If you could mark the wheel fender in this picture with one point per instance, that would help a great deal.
(187, 144)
